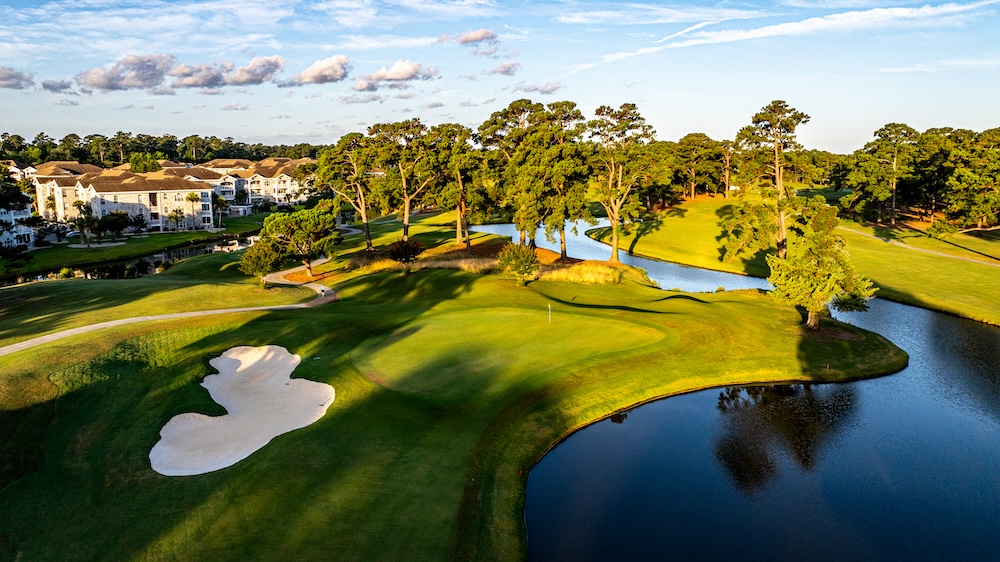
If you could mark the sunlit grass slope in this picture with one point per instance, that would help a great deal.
(692, 235)
(200, 283)
(450, 385)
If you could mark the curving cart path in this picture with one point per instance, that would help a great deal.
(324, 295)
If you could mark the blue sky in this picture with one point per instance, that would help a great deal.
(297, 71)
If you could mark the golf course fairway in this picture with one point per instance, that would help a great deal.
(450, 386)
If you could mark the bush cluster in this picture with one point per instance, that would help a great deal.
(519, 261)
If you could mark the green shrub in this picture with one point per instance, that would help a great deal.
(66, 273)
(519, 261)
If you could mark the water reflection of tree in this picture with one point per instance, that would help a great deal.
(762, 422)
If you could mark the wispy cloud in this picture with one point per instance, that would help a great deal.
(506, 68)
(547, 88)
(236, 107)
(845, 22)
(945, 65)
(645, 14)
(362, 98)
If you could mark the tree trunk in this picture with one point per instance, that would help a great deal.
(309, 268)
(524, 236)
(465, 228)
(782, 241)
(892, 209)
(562, 244)
(458, 224)
(614, 243)
(406, 218)
(812, 320)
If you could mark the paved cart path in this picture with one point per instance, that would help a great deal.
(324, 295)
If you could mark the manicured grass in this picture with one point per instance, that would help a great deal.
(54, 258)
(450, 385)
(200, 283)
(692, 235)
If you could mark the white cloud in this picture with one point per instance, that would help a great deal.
(506, 68)
(236, 107)
(260, 70)
(401, 72)
(68, 103)
(332, 69)
(130, 72)
(433, 105)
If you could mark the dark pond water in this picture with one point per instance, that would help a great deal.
(905, 467)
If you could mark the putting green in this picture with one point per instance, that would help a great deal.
(483, 353)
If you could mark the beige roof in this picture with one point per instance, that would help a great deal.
(65, 168)
(228, 163)
(170, 164)
(118, 181)
(196, 171)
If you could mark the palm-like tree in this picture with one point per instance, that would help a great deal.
(221, 205)
(193, 198)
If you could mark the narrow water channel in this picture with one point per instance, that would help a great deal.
(904, 467)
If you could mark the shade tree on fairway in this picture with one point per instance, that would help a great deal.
(347, 171)
(620, 136)
(262, 259)
(401, 149)
(460, 178)
(303, 235)
(772, 132)
(817, 272)
(880, 166)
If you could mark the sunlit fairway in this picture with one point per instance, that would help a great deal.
(35, 309)
(960, 278)
(450, 385)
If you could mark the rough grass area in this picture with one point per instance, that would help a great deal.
(957, 275)
(450, 385)
(200, 283)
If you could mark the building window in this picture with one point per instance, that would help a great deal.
(116, 199)
(204, 196)
(206, 207)
(206, 220)
(152, 200)
(154, 216)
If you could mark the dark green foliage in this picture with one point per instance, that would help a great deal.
(818, 270)
(520, 261)
(263, 258)
(114, 222)
(405, 251)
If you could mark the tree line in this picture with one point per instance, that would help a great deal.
(124, 147)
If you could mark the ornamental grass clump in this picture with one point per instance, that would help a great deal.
(519, 261)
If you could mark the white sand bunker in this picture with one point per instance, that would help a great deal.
(255, 387)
